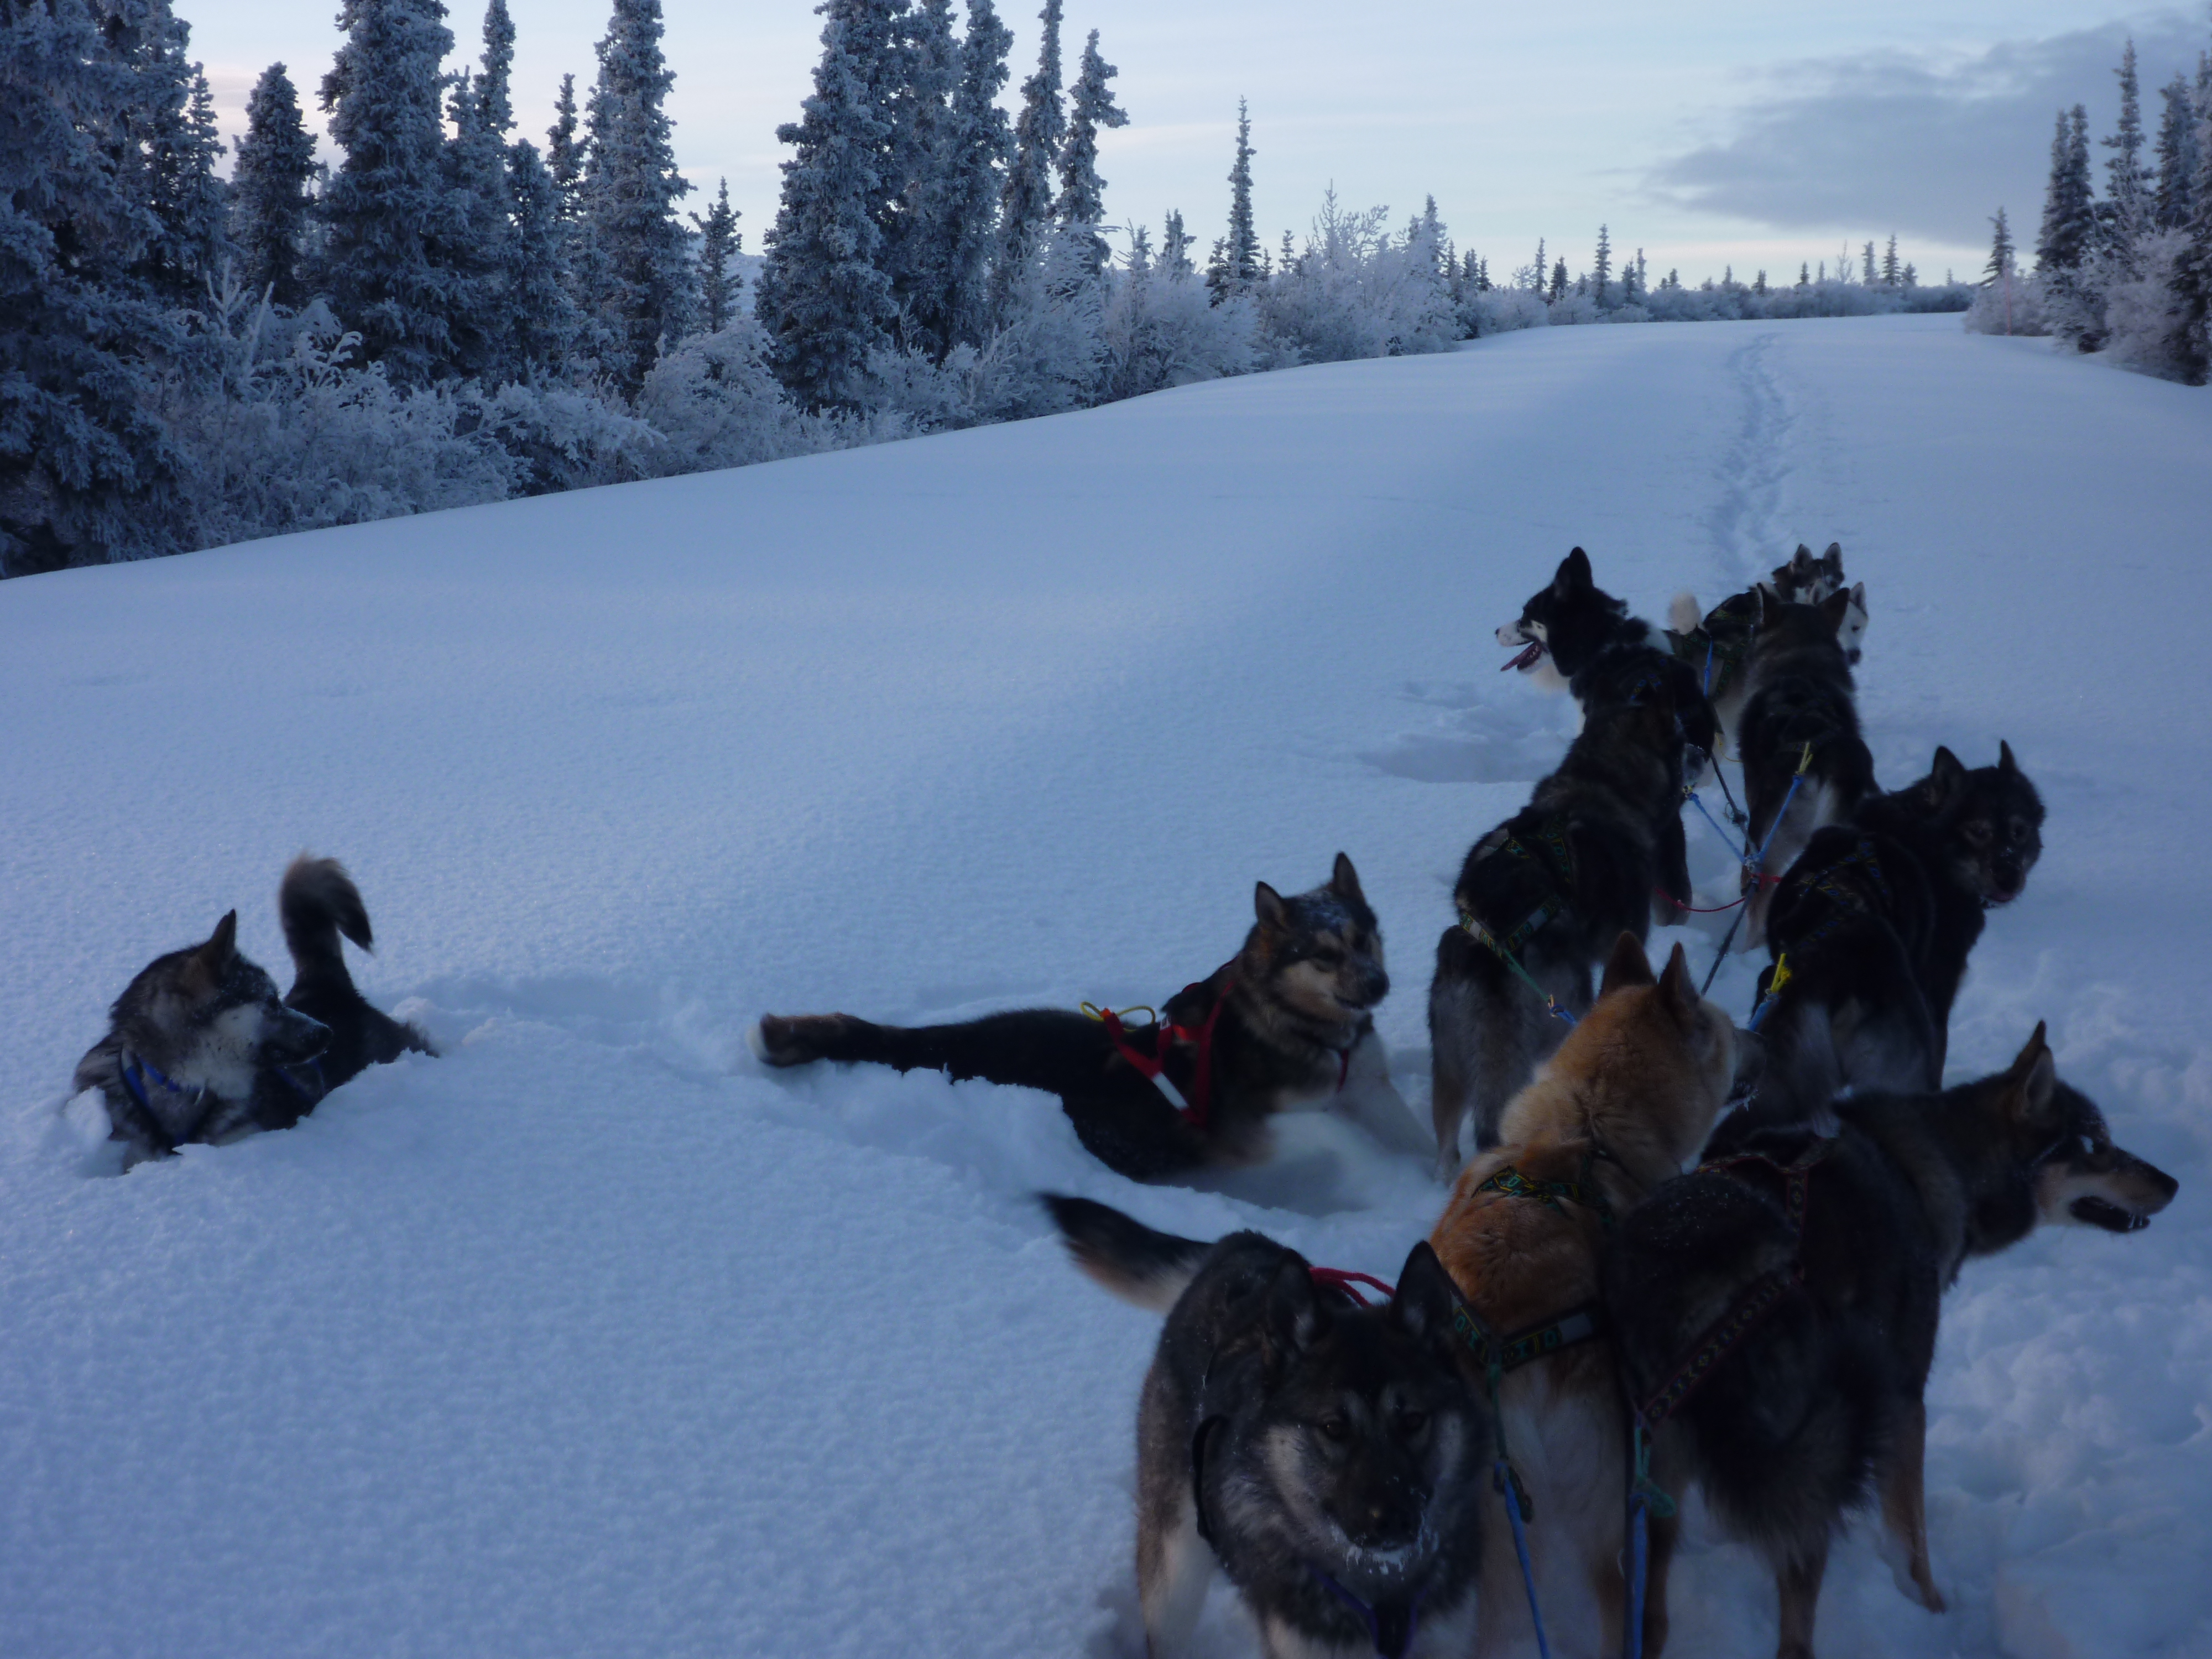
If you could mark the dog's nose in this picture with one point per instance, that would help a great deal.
(1374, 985)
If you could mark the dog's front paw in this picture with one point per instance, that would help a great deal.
(779, 1040)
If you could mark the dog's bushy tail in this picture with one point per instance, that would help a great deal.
(1683, 615)
(1125, 1256)
(317, 902)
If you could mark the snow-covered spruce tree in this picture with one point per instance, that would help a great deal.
(1025, 205)
(540, 315)
(2191, 281)
(916, 81)
(2072, 302)
(970, 175)
(564, 155)
(718, 239)
(1601, 269)
(269, 196)
(87, 472)
(822, 298)
(2002, 255)
(481, 316)
(1082, 204)
(1235, 267)
(388, 212)
(1175, 247)
(641, 294)
(164, 145)
(1890, 272)
(2177, 155)
(1158, 329)
(2124, 217)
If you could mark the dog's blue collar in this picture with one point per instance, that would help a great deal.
(134, 1071)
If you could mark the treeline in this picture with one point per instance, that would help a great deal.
(451, 313)
(2129, 272)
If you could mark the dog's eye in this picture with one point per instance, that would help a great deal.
(1328, 958)
(1335, 1429)
(1411, 1423)
(1975, 832)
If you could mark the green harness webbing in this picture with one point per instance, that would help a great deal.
(1551, 837)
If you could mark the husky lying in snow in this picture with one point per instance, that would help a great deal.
(1876, 919)
(1285, 1022)
(1554, 886)
(1629, 1097)
(1717, 643)
(200, 1048)
(1847, 1246)
(1805, 766)
(1327, 1454)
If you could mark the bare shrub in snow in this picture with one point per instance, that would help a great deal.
(1159, 328)
(1356, 291)
(2015, 307)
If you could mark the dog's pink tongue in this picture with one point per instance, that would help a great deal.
(1526, 658)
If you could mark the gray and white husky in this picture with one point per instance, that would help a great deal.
(1327, 1454)
(200, 1047)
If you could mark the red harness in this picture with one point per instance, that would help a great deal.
(1195, 1109)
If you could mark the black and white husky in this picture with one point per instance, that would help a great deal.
(1326, 1456)
(201, 1048)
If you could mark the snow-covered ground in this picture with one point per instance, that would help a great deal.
(592, 1338)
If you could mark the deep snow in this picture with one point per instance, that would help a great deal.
(591, 1337)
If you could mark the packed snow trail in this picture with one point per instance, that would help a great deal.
(591, 1337)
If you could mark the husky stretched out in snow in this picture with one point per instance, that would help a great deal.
(1875, 922)
(1718, 642)
(1796, 1283)
(1327, 1454)
(199, 1048)
(1805, 765)
(1285, 1022)
(1544, 897)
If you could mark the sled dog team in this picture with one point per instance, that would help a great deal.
(1487, 1454)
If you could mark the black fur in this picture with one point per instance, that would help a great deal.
(1877, 917)
(1800, 695)
(317, 902)
(1270, 1047)
(1302, 1436)
(1795, 1424)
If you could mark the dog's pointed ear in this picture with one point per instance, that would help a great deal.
(1678, 990)
(1835, 610)
(1425, 1304)
(1295, 1317)
(2032, 1076)
(1344, 881)
(2006, 764)
(1858, 595)
(1833, 561)
(1946, 774)
(1762, 593)
(1800, 561)
(1626, 966)
(210, 961)
(1573, 575)
(1267, 905)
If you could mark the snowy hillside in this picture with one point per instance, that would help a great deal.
(592, 1338)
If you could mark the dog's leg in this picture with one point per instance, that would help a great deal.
(1798, 1581)
(1048, 1049)
(1452, 1036)
(1175, 1566)
(1369, 1099)
(1903, 1512)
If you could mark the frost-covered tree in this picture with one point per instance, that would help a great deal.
(915, 83)
(2124, 215)
(1175, 247)
(718, 239)
(481, 197)
(1559, 290)
(539, 314)
(1241, 253)
(388, 212)
(970, 174)
(1890, 271)
(87, 472)
(2190, 351)
(2071, 298)
(1025, 205)
(822, 297)
(270, 198)
(2002, 257)
(1082, 200)
(639, 294)
(1601, 269)
(164, 145)
(564, 155)
(2177, 154)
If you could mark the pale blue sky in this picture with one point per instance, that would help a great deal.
(1730, 132)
